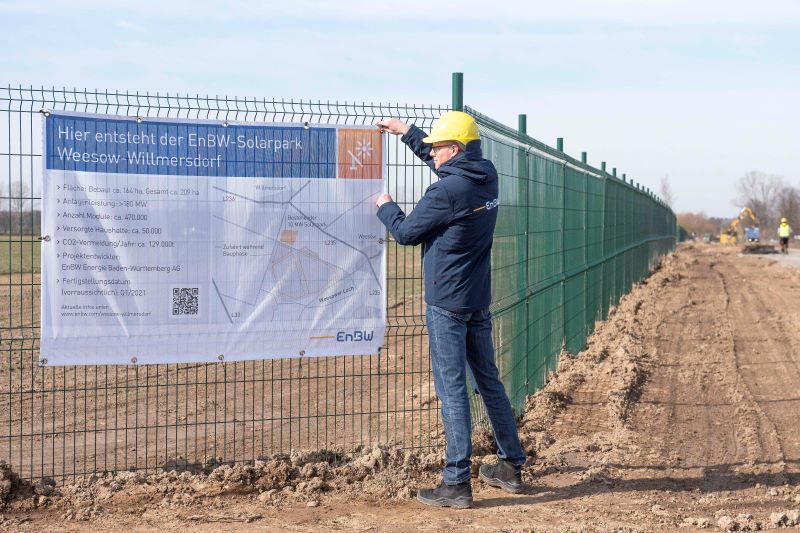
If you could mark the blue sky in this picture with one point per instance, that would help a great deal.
(701, 91)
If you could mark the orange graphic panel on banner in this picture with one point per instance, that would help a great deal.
(360, 154)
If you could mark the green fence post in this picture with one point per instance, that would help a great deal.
(614, 172)
(606, 296)
(584, 159)
(522, 127)
(603, 166)
(458, 91)
(560, 147)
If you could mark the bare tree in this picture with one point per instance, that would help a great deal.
(789, 205)
(699, 223)
(760, 192)
(666, 191)
(19, 195)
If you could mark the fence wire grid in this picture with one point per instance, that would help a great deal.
(570, 240)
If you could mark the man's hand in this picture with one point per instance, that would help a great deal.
(382, 199)
(395, 126)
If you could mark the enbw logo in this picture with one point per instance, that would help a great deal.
(355, 336)
(492, 204)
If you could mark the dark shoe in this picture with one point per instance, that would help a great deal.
(458, 496)
(503, 475)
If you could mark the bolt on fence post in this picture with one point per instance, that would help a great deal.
(560, 144)
(458, 91)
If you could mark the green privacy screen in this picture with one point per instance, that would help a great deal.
(570, 241)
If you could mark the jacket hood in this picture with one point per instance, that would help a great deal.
(470, 164)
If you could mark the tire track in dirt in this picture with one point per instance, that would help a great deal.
(758, 435)
(773, 318)
(703, 417)
(747, 416)
(783, 300)
(682, 420)
(768, 372)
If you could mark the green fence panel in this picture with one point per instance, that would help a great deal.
(508, 249)
(584, 238)
(510, 331)
(594, 297)
(545, 222)
(546, 335)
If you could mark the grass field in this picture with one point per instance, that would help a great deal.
(19, 254)
(22, 254)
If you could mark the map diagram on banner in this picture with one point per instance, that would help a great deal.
(178, 241)
(289, 270)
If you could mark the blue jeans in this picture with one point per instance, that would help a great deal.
(457, 339)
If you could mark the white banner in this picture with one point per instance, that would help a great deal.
(189, 241)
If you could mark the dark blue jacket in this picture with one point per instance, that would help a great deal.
(455, 222)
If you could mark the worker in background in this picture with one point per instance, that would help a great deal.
(454, 221)
(784, 232)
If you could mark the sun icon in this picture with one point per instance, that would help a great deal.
(363, 148)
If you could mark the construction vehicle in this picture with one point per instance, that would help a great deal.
(731, 235)
(752, 234)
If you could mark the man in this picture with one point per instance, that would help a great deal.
(784, 232)
(454, 221)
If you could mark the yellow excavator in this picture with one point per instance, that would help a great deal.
(752, 234)
(730, 235)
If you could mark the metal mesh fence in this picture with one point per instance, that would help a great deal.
(570, 241)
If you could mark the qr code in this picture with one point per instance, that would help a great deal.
(184, 301)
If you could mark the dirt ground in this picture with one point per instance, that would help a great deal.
(682, 413)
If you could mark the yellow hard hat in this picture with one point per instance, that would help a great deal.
(453, 126)
(783, 220)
